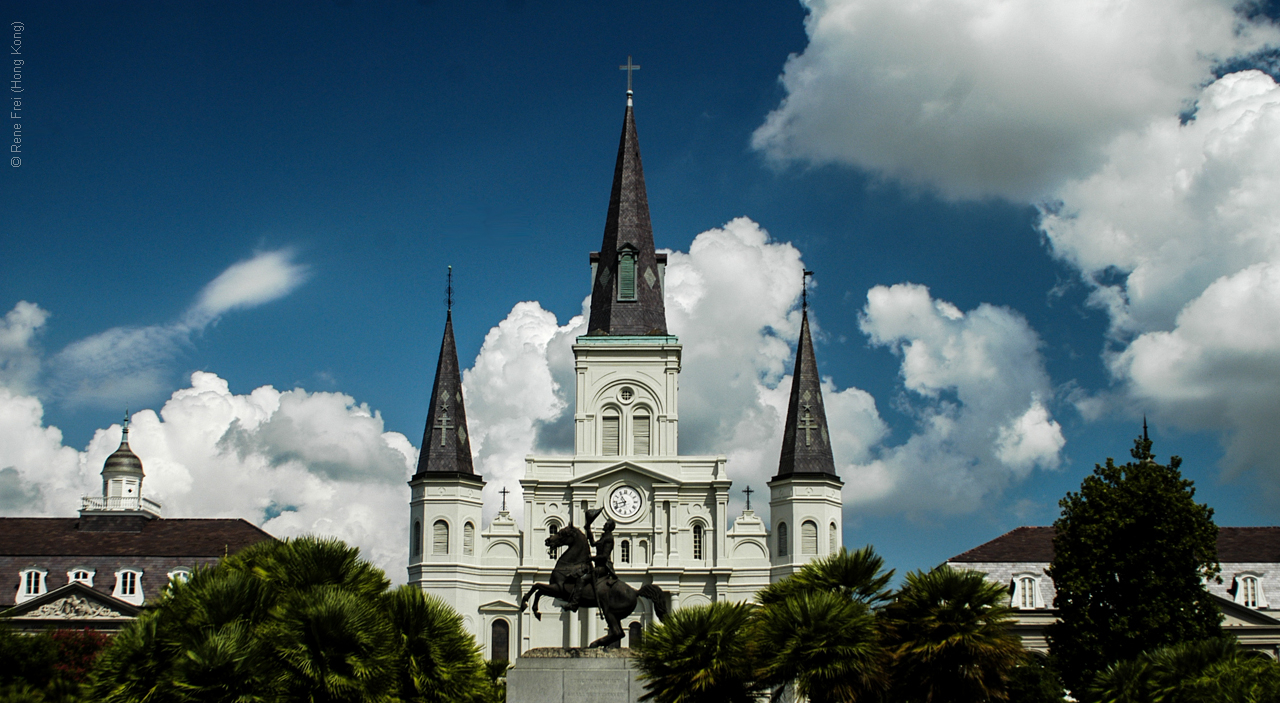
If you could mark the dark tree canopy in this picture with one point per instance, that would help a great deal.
(1132, 550)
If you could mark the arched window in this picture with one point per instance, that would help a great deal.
(31, 585)
(644, 551)
(468, 539)
(834, 534)
(635, 633)
(610, 435)
(624, 551)
(417, 538)
(1249, 591)
(129, 586)
(1026, 592)
(500, 640)
(440, 537)
(808, 537)
(641, 433)
(180, 575)
(782, 540)
(84, 576)
(697, 541)
(552, 528)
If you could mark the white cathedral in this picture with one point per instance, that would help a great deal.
(673, 527)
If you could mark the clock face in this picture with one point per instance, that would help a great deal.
(625, 502)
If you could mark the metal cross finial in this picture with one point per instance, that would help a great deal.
(629, 68)
(804, 290)
(504, 493)
(748, 491)
(448, 291)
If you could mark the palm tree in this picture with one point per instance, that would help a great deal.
(859, 575)
(700, 654)
(437, 661)
(1204, 671)
(822, 643)
(948, 632)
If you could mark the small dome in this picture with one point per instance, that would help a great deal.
(123, 460)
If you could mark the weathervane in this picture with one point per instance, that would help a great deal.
(448, 291)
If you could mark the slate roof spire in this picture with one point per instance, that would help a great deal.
(626, 293)
(806, 442)
(446, 446)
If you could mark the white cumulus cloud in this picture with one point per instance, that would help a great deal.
(977, 390)
(1178, 234)
(978, 98)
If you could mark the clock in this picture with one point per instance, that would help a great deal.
(625, 502)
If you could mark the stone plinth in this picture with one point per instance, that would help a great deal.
(556, 675)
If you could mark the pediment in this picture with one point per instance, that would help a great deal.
(1234, 614)
(620, 467)
(74, 601)
(499, 605)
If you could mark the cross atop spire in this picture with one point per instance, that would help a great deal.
(629, 68)
(504, 493)
(804, 290)
(806, 442)
(748, 491)
(445, 445)
(626, 291)
(448, 291)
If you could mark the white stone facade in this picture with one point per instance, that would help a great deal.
(678, 535)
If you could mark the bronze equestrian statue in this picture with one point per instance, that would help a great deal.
(582, 580)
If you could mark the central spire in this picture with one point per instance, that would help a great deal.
(806, 443)
(446, 448)
(626, 291)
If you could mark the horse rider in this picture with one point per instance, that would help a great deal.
(602, 563)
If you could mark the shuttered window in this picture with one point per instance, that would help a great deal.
(783, 548)
(808, 538)
(440, 537)
(641, 431)
(611, 435)
(468, 539)
(627, 276)
(835, 538)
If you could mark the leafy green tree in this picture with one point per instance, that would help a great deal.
(948, 633)
(700, 654)
(1035, 680)
(1131, 552)
(299, 620)
(1204, 671)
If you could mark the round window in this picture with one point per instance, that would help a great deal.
(626, 394)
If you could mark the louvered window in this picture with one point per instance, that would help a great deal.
(835, 538)
(641, 429)
(417, 538)
(697, 541)
(626, 276)
(783, 549)
(611, 435)
(440, 537)
(808, 538)
(468, 539)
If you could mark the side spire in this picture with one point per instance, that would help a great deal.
(446, 446)
(626, 291)
(806, 443)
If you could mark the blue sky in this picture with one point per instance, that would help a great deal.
(1029, 226)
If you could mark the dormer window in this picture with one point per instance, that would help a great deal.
(32, 582)
(1249, 591)
(1026, 592)
(129, 586)
(84, 576)
(180, 575)
(627, 274)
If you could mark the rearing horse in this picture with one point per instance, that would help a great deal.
(618, 598)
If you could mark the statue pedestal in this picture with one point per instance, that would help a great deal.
(557, 675)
